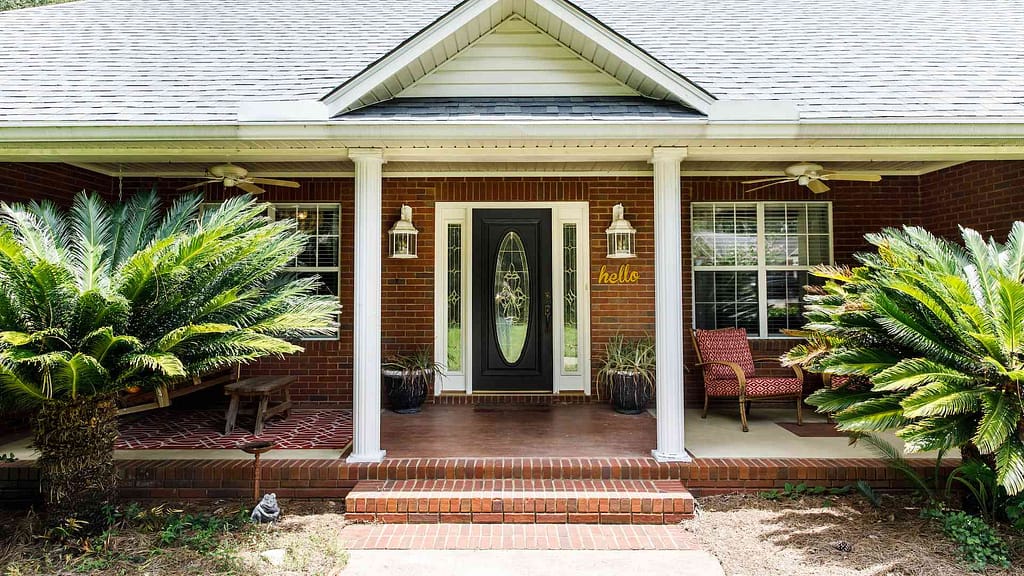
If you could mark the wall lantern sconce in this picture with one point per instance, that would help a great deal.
(402, 236)
(621, 235)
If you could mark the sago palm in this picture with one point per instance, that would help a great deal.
(98, 298)
(937, 330)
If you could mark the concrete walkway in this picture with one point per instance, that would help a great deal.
(532, 563)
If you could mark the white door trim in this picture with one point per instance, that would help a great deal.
(562, 213)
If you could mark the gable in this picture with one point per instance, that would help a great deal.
(517, 59)
(494, 48)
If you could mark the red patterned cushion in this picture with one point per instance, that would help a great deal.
(756, 387)
(838, 381)
(724, 345)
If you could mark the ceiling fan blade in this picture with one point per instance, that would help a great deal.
(818, 187)
(275, 182)
(851, 176)
(250, 188)
(769, 185)
(197, 185)
(775, 179)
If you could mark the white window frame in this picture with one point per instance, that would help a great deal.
(577, 213)
(322, 271)
(762, 268)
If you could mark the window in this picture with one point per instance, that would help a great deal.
(751, 262)
(322, 223)
(454, 299)
(570, 285)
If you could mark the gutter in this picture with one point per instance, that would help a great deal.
(351, 132)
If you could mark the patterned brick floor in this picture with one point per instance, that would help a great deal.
(516, 537)
(201, 429)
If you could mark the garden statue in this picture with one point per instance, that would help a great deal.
(267, 510)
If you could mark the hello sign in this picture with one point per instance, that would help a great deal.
(624, 275)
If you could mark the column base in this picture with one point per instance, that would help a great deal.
(371, 458)
(670, 456)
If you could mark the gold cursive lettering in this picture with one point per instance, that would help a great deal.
(623, 275)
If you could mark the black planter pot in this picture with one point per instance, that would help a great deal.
(406, 391)
(629, 392)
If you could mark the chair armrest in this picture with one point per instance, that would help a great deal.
(740, 377)
(799, 372)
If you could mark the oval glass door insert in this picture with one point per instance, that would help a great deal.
(511, 297)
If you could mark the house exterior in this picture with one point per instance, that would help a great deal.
(519, 132)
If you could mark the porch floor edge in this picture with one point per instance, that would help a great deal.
(334, 478)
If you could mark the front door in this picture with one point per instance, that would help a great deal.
(512, 300)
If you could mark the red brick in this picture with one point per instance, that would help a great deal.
(615, 519)
(487, 518)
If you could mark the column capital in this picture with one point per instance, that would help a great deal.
(366, 155)
(662, 154)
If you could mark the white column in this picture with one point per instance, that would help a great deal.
(668, 307)
(366, 314)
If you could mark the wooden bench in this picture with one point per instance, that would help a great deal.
(261, 388)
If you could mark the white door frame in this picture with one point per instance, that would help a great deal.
(562, 213)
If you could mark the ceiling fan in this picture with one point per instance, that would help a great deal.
(813, 176)
(232, 175)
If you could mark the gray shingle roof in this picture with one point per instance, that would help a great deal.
(194, 61)
(567, 108)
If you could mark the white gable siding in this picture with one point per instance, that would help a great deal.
(517, 59)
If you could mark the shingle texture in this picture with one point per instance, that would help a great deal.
(568, 108)
(195, 61)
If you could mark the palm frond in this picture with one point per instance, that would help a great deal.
(940, 399)
(1000, 414)
(1010, 466)
(872, 415)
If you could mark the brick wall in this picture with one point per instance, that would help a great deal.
(986, 196)
(24, 181)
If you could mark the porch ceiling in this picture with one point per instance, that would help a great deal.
(344, 168)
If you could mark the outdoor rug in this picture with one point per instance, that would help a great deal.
(204, 429)
(813, 429)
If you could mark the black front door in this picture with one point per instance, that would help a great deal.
(512, 300)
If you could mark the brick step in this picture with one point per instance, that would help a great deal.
(545, 501)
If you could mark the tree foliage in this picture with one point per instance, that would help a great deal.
(16, 4)
(100, 297)
(936, 329)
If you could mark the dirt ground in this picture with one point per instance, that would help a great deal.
(308, 536)
(756, 537)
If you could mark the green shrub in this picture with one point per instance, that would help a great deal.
(937, 328)
(977, 543)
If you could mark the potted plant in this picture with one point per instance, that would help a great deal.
(407, 378)
(628, 369)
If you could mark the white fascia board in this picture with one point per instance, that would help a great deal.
(685, 132)
(684, 90)
(350, 92)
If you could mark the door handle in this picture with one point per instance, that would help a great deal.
(547, 310)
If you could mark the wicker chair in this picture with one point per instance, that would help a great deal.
(728, 366)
